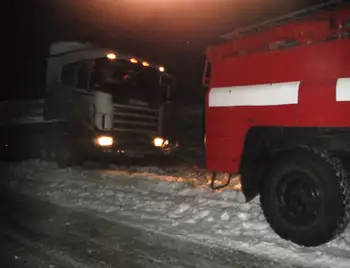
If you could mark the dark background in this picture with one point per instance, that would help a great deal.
(170, 32)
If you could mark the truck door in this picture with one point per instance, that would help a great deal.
(69, 99)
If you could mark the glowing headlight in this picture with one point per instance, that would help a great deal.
(104, 141)
(158, 142)
(111, 56)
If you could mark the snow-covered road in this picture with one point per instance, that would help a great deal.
(55, 236)
(175, 203)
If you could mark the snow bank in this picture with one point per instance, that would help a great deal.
(176, 202)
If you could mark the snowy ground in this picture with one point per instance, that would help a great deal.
(174, 202)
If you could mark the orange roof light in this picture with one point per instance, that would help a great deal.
(111, 56)
(161, 69)
(145, 63)
(133, 60)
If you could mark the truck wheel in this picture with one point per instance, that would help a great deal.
(67, 153)
(306, 197)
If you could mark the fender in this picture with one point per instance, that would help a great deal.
(263, 144)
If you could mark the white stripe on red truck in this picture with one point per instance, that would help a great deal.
(256, 95)
(267, 94)
(343, 89)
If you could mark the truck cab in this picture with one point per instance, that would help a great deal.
(98, 102)
(121, 101)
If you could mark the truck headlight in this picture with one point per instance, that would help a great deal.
(158, 142)
(104, 141)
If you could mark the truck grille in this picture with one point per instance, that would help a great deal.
(135, 126)
(135, 119)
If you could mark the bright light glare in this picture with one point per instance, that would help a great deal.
(161, 69)
(146, 64)
(133, 60)
(104, 141)
(111, 56)
(158, 142)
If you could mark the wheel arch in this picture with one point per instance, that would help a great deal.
(263, 145)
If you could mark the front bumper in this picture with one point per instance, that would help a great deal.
(132, 148)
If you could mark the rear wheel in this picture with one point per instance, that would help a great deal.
(305, 197)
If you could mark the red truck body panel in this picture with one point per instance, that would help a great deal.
(307, 85)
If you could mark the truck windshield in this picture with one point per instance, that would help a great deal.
(129, 83)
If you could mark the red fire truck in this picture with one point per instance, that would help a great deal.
(278, 114)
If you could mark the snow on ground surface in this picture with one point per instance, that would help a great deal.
(174, 201)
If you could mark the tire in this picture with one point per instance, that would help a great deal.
(305, 197)
(68, 154)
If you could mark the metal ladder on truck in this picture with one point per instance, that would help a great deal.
(284, 19)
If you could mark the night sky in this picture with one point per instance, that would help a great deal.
(170, 32)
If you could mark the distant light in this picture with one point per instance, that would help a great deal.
(133, 60)
(111, 56)
(161, 69)
(145, 63)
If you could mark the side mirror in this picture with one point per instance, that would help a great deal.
(165, 80)
(93, 80)
(206, 74)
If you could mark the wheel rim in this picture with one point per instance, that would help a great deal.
(299, 198)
